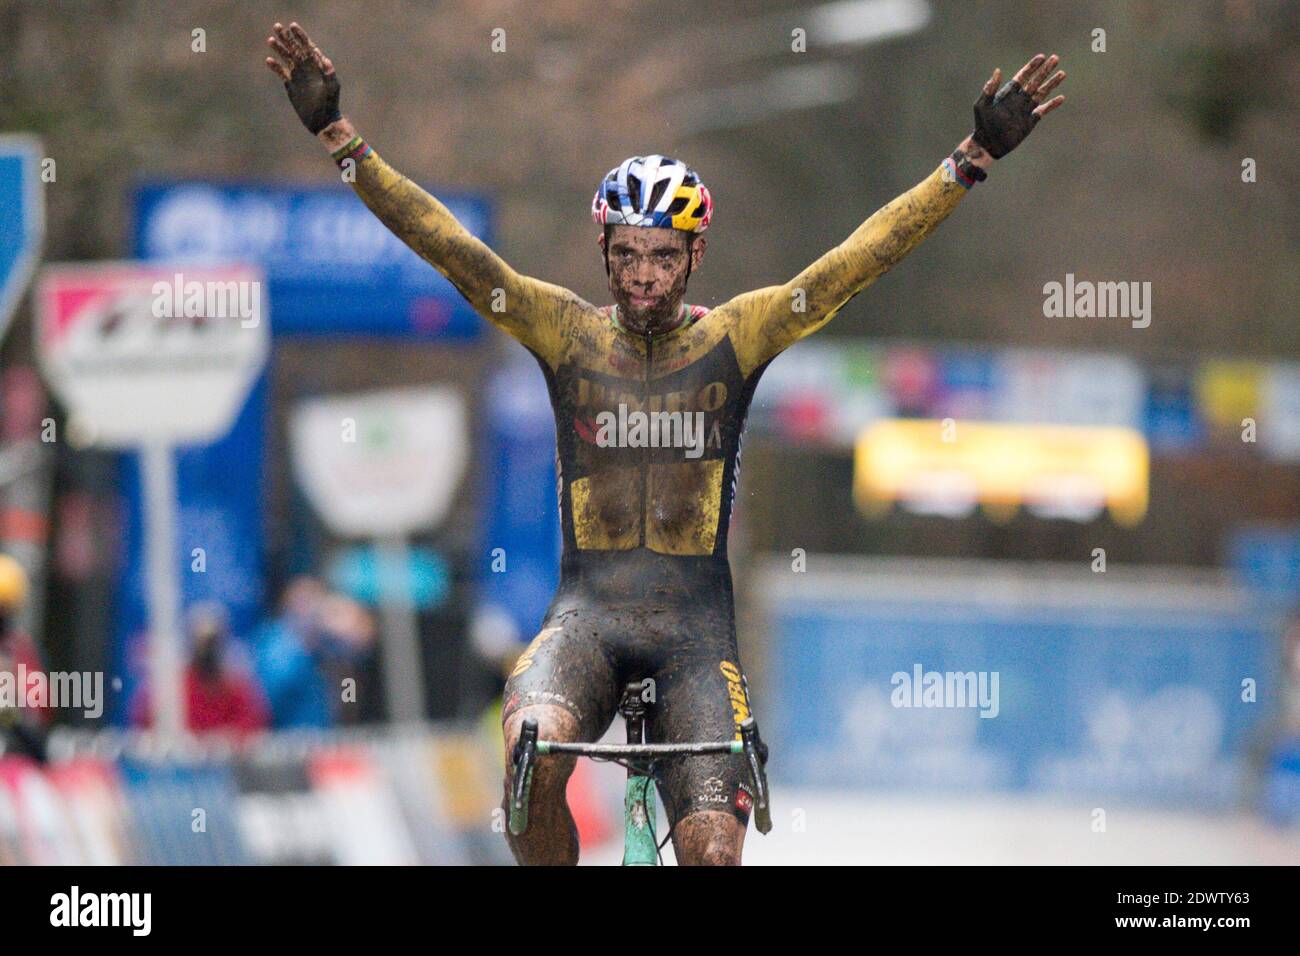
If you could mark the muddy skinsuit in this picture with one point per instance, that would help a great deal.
(648, 441)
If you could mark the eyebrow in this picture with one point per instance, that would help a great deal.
(624, 247)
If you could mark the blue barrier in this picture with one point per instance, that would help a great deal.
(1149, 702)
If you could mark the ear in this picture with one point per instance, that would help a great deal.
(697, 251)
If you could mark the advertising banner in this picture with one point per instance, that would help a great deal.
(908, 675)
(381, 463)
(332, 267)
(144, 354)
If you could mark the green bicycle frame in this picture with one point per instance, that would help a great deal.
(640, 848)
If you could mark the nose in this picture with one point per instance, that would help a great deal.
(644, 272)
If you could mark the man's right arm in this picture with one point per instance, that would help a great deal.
(527, 309)
(531, 311)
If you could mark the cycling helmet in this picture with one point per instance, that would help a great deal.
(653, 191)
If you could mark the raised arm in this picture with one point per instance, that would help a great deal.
(528, 309)
(770, 320)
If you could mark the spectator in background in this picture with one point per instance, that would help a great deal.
(219, 698)
(22, 729)
(315, 632)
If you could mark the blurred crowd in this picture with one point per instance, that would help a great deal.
(293, 672)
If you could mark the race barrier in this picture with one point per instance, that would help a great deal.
(1145, 686)
(424, 795)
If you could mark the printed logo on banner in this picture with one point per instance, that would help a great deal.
(400, 473)
(151, 354)
(1077, 710)
(332, 267)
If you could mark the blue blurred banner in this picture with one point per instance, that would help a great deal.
(1267, 558)
(520, 506)
(22, 218)
(1173, 424)
(332, 267)
(1151, 703)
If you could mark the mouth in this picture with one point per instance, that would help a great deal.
(643, 302)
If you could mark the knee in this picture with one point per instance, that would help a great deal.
(709, 839)
(717, 853)
(553, 723)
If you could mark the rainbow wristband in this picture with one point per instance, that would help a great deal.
(954, 173)
(356, 149)
(962, 171)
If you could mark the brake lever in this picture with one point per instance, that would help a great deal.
(756, 753)
(522, 758)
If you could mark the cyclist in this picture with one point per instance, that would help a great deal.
(650, 396)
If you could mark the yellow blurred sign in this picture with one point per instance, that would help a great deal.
(949, 467)
(1230, 391)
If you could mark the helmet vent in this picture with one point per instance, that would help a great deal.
(656, 194)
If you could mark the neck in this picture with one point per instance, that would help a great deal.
(683, 316)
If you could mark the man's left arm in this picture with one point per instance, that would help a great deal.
(774, 318)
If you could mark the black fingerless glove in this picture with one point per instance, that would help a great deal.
(1002, 121)
(314, 95)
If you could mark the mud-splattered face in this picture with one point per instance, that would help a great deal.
(648, 273)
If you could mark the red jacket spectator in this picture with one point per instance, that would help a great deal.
(217, 697)
(224, 702)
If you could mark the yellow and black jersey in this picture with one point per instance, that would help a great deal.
(648, 428)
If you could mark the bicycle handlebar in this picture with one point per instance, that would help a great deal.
(545, 747)
(528, 748)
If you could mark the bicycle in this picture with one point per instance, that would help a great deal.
(640, 846)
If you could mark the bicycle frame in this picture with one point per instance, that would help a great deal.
(640, 845)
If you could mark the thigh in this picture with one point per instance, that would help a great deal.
(701, 695)
(568, 664)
